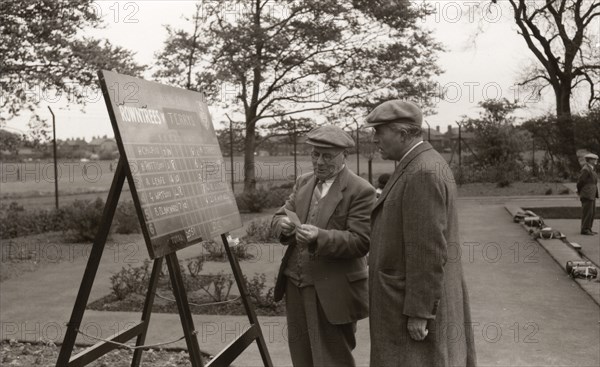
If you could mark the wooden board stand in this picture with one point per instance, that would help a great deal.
(225, 358)
(168, 150)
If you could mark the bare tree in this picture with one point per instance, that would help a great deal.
(560, 35)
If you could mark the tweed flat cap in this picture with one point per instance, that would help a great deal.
(395, 111)
(590, 156)
(329, 136)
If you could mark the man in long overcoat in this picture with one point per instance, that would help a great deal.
(419, 308)
(587, 189)
(323, 272)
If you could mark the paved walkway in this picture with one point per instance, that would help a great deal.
(526, 310)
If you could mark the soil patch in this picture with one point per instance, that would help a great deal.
(200, 301)
(17, 354)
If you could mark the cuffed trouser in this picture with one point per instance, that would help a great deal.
(588, 212)
(313, 341)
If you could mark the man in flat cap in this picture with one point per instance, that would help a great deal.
(587, 189)
(323, 273)
(418, 301)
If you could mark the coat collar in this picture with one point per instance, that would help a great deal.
(425, 146)
(328, 203)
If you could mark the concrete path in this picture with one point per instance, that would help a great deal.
(590, 245)
(530, 313)
(526, 310)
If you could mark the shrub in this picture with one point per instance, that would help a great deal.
(259, 230)
(253, 201)
(240, 251)
(216, 252)
(15, 221)
(287, 185)
(217, 286)
(82, 219)
(503, 183)
(130, 280)
(277, 197)
(261, 297)
(549, 191)
(195, 266)
(126, 220)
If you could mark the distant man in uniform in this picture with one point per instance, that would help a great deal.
(419, 306)
(587, 189)
(323, 272)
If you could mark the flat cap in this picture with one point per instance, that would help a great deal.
(590, 156)
(395, 111)
(329, 136)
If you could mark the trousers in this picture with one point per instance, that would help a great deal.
(588, 212)
(312, 339)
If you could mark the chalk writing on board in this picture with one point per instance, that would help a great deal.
(166, 135)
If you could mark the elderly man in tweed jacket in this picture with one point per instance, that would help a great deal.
(419, 307)
(587, 189)
(323, 272)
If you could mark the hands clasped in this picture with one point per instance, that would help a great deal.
(305, 234)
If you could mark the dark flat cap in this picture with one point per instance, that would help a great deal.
(395, 111)
(329, 136)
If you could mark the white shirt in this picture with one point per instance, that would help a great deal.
(327, 183)
(410, 150)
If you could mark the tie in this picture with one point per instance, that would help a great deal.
(314, 202)
(317, 194)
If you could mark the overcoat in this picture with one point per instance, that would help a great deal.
(414, 226)
(587, 184)
(339, 265)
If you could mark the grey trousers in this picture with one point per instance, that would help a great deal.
(313, 341)
(588, 212)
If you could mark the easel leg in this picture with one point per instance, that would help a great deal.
(92, 266)
(239, 280)
(184, 310)
(141, 339)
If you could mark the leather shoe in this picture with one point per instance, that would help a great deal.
(588, 233)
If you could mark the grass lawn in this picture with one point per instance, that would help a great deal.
(29, 254)
(514, 189)
(37, 178)
(34, 188)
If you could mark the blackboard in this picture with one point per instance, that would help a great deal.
(176, 169)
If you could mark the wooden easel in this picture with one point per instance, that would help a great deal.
(139, 331)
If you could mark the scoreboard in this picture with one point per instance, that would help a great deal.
(176, 168)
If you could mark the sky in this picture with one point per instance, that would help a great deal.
(487, 66)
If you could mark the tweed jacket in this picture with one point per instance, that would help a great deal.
(339, 265)
(414, 223)
(587, 184)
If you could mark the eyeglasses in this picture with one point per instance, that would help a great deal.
(325, 156)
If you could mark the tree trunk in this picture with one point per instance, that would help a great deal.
(565, 126)
(249, 171)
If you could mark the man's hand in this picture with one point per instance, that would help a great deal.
(417, 328)
(287, 226)
(306, 234)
